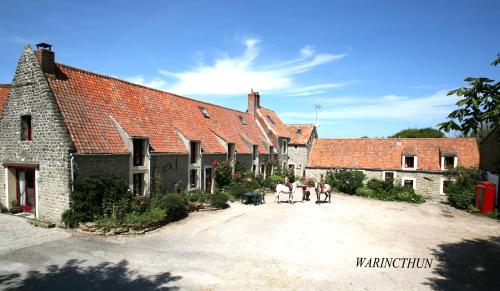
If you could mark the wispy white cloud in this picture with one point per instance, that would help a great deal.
(314, 89)
(236, 75)
(390, 107)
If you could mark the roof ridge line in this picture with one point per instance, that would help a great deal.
(149, 88)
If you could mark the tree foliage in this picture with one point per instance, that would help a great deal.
(418, 133)
(479, 105)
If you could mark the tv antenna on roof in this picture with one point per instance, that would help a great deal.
(317, 108)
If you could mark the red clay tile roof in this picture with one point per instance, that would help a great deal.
(368, 153)
(300, 133)
(278, 127)
(4, 93)
(92, 104)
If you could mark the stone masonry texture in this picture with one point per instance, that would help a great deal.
(50, 145)
(428, 184)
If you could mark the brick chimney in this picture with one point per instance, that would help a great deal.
(253, 103)
(46, 58)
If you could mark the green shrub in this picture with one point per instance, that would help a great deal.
(365, 192)
(173, 204)
(272, 181)
(146, 219)
(406, 194)
(397, 193)
(219, 200)
(460, 197)
(461, 189)
(107, 222)
(472, 209)
(3, 209)
(197, 196)
(345, 181)
(178, 187)
(71, 218)
(379, 185)
(237, 189)
(93, 198)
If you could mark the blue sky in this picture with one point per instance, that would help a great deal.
(375, 67)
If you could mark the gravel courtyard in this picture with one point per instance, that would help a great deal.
(301, 246)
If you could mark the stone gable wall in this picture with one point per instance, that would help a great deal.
(51, 144)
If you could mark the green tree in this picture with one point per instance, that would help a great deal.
(418, 133)
(479, 105)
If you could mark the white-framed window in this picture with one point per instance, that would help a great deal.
(231, 151)
(444, 185)
(388, 176)
(285, 147)
(194, 147)
(255, 152)
(194, 179)
(409, 162)
(449, 162)
(409, 182)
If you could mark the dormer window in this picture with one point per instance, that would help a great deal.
(285, 145)
(299, 131)
(204, 112)
(448, 162)
(271, 119)
(230, 151)
(242, 120)
(138, 151)
(271, 151)
(26, 128)
(255, 151)
(410, 162)
(194, 151)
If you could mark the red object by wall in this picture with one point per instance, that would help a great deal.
(485, 196)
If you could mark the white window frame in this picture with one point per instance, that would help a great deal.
(205, 178)
(441, 186)
(383, 175)
(415, 163)
(409, 178)
(455, 162)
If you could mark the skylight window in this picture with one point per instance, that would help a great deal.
(271, 119)
(299, 131)
(204, 112)
(242, 120)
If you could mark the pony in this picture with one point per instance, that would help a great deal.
(327, 190)
(283, 189)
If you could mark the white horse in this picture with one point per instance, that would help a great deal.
(283, 189)
(327, 190)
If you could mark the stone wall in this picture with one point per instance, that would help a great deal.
(50, 146)
(245, 160)
(102, 165)
(298, 155)
(427, 184)
(172, 167)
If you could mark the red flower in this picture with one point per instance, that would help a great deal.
(215, 170)
(215, 162)
(223, 162)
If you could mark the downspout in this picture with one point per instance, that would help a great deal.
(72, 161)
(148, 153)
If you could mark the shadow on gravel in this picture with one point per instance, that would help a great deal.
(467, 265)
(74, 276)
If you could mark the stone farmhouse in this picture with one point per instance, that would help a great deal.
(302, 137)
(59, 123)
(419, 163)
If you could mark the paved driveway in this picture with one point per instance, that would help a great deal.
(303, 246)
